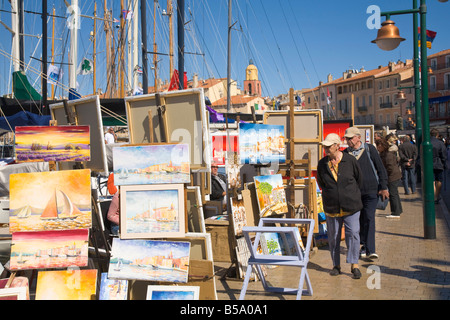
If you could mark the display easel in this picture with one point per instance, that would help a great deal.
(300, 259)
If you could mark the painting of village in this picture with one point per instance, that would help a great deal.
(49, 249)
(152, 211)
(271, 195)
(52, 143)
(261, 143)
(54, 200)
(147, 164)
(149, 260)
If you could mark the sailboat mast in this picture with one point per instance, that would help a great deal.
(44, 55)
(94, 54)
(155, 47)
(180, 29)
(135, 44)
(15, 34)
(121, 48)
(144, 48)
(73, 46)
(170, 13)
(53, 49)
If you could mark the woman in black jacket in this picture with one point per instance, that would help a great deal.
(340, 178)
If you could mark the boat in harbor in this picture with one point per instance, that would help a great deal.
(60, 207)
(24, 212)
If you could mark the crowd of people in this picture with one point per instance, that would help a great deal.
(356, 179)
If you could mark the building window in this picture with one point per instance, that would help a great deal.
(380, 101)
(447, 81)
(433, 83)
(369, 84)
(381, 119)
(363, 85)
(339, 90)
(447, 61)
(395, 82)
(433, 64)
(380, 85)
(370, 101)
(387, 83)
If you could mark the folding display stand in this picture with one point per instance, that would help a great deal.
(299, 258)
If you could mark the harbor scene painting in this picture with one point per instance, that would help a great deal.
(49, 249)
(113, 289)
(54, 200)
(52, 143)
(151, 164)
(150, 260)
(173, 292)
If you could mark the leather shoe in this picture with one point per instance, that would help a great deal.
(336, 271)
(356, 273)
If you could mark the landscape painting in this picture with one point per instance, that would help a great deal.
(70, 284)
(49, 249)
(152, 211)
(54, 200)
(149, 260)
(173, 292)
(271, 195)
(52, 143)
(261, 143)
(113, 289)
(151, 164)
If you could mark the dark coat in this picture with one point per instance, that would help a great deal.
(216, 188)
(389, 159)
(439, 154)
(407, 151)
(344, 193)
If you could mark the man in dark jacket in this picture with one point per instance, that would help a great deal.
(408, 155)
(439, 163)
(375, 182)
(218, 186)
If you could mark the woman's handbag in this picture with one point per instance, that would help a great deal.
(382, 204)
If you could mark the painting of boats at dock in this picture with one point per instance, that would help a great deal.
(151, 260)
(152, 211)
(151, 164)
(55, 200)
(49, 249)
(52, 143)
(271, 195)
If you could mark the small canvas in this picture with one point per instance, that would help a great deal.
(112, 289)
(55, 200)
(152, 211)
(173, 292)
(149, 260)
(238, 214)
(70, 284)
(261, 143)
(151, 164)
(271, 195)
(52, 143)
(49, 249)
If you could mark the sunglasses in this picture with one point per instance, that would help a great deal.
(212, 167)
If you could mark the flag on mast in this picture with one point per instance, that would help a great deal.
(85, 67)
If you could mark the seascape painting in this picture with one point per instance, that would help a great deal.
(70, 284)
(151, 164)
(271, 195)
(113, 289)
(261, 143)
(150, 260)
(54, 200)
(152, 211)
(173, 292)
(52, 143)
(49, 249)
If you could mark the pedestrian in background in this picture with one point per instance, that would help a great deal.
(389, 159)
(408, 155)
(340, 178)
(439, 163)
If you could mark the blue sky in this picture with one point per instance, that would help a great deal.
(294, 43)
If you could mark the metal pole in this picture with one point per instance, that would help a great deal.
(44, 55)
(180, 30)
(144, 48)
(229, 58)
(427, 148)
(418, 105)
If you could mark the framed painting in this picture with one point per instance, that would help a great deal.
(151, 164)
(152, 211)
(201, 245)
(113, 289)
(51, 200)
(49, 249)
(238, 215)
(150, 260)
(87, 112)
(52, 143)
(261, 143)
(173, 292)
(70, 284)
(194, 210)
(271, 195)
(17, 293)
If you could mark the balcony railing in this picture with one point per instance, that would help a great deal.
(386, 105)
(362, 109)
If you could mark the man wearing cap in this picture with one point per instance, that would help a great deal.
(375, 182)
(340, 178)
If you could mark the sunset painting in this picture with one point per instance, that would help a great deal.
(54, 200)
(52, 143)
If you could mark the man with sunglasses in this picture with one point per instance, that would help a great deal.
(375, 182)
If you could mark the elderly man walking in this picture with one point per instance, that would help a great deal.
(408, 155)
(375, 182)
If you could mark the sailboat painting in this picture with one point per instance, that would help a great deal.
(151, 164)
(52, 143)
(152, 211)
(55, 200)
(49, 249)
(112, 289)
(150, 260)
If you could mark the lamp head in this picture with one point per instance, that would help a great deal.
(400, 96)
(388, 37)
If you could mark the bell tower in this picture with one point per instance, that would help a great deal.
(252, 86)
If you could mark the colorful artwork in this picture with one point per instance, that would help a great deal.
(49, 249)
(112, 289)
(55, 200)
(173, 292)
(152, 211)
(147, 164)
(239, 216)
(71, 284)
(52, 143)
(149, 260)
(271, 195)
(18, 293)
(261, 143)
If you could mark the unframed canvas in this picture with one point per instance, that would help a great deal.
(173, 292)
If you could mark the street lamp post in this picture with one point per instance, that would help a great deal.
(388, 39)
